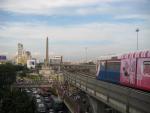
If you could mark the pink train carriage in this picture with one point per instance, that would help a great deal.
(132, 70)
(135, 70)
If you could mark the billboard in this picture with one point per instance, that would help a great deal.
(3, 58)
(31, 64)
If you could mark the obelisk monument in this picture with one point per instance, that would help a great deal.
(47, 57)
(46, 70)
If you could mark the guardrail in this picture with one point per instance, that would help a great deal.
(123, 99)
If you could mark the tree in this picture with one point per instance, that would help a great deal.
(13, 100)
(7, 74)
(17, 102)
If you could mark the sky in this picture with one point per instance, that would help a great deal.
(104, 27)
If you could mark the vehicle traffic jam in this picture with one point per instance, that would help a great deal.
(45, 101)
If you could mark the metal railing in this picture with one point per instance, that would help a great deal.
(123, 99)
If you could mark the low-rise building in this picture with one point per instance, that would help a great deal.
(56, 60)
(31, 64)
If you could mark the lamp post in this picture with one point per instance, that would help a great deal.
(137, 30)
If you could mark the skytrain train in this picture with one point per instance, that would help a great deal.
(132, 70)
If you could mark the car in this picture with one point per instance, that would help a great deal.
(37, 96)
(38, 100)
(28, 91)
(33, 89)
(48, 105)
(60, 112)
(35, 92)
(51, 111)
(41, 108)
(46, 99)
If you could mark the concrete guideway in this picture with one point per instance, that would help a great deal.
(123, 99)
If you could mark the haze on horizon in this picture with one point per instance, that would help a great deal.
(104, 27)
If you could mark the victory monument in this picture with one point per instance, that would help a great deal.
(46, 70)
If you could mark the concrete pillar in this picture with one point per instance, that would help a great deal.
(98, 107)
(101, 107)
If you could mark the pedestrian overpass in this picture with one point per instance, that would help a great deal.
(33, 84)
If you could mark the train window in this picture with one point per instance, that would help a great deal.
(146, 68)
(113, 66)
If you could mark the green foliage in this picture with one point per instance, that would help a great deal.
(17, 102)
(12, 100)
(21, 68)
(34, 77)
(7, 68)
(23, 74)
(7, 74)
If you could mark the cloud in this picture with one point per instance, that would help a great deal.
(31, 21)
(71, 40)
(117, 10)
(74, 32)
(42, 6)
(65, 7)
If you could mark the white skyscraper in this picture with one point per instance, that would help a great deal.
(20, 49)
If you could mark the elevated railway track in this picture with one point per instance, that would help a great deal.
(121, 98)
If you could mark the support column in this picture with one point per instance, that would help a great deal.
(101, 107)
(98, 107)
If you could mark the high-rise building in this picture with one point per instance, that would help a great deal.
(23, 55)
(27, 55)
(20, 53)
(20, 49)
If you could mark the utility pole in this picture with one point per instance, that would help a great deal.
(137, 30)
(47, 54)
(85, 54)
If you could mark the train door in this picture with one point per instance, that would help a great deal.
(128, 72)
(124, 71)
(143, 73)
(132, 72)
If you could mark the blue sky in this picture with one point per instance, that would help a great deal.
(103, 26)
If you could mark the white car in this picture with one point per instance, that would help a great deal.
(38, 100)
(46, 99)
(41, 108)
(37, 96)
(51, 111)
(35, 92)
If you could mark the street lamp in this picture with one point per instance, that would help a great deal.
(137, 30)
